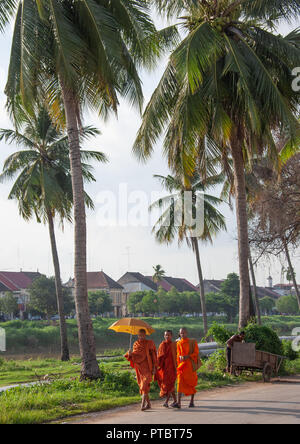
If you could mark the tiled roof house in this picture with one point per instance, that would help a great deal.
(179, 284)
(100, 281)
(18, 283)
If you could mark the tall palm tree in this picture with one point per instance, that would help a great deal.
(172, 223)
(84, 53)
(159, 274)
(229, 82)
(43, 185)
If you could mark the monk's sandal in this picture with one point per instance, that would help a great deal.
(175, 405)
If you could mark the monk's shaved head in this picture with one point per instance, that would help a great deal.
(142, 334)
(168, 335)
(183, 333)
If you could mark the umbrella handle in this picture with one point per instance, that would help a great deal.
(130, 344)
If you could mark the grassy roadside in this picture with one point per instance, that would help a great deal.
(61, 399)
(292, 367)
(66, 397)
(63, 396)
(44, 403)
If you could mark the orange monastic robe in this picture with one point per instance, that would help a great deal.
(143, 360)
(166, 374)
(187, 377)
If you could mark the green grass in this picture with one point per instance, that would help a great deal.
(64, 398)
(16, 372)
(67, 397)
(43, 403)
(292, 367)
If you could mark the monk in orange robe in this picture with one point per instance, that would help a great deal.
(166, 374)
(187, 361)
(143, 358)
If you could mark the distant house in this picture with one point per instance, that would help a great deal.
(211, 286)
(133, 282)
(284, 289)
(263, 292)
(214, 286)
(100, 281)
(179, 284)
(18, 283)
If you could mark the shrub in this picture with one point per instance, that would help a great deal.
(288, 350)
(123, 382)
(216, 362)
(264, 337)
(220, 333)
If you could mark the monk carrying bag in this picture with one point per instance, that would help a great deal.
(196, 365)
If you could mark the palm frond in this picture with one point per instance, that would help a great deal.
(7, 11)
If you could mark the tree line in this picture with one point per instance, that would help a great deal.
(225, 301)
(41, 301)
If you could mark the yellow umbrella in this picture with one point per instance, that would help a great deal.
(131, 326)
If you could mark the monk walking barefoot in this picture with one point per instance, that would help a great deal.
(188, 362)
(166, 374)
(143, 359)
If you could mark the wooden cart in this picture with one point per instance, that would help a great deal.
(246, 357)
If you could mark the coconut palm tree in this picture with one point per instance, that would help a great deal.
(173, 223)
(159, 274)
(84, 53)
(229, 80)
(43, 185)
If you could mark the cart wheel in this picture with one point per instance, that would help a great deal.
(237, 372)
(267, 372)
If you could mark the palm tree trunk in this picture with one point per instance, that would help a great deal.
(257, 307)
(201, 285)
(242, 227)
(288, 257)
(89, 367)
(65, 356)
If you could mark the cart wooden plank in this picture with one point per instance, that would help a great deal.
(245, 356)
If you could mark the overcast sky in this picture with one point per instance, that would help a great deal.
(114, 249)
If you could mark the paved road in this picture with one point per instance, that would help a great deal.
(251, 403)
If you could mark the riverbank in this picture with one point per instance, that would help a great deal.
(42, 339)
